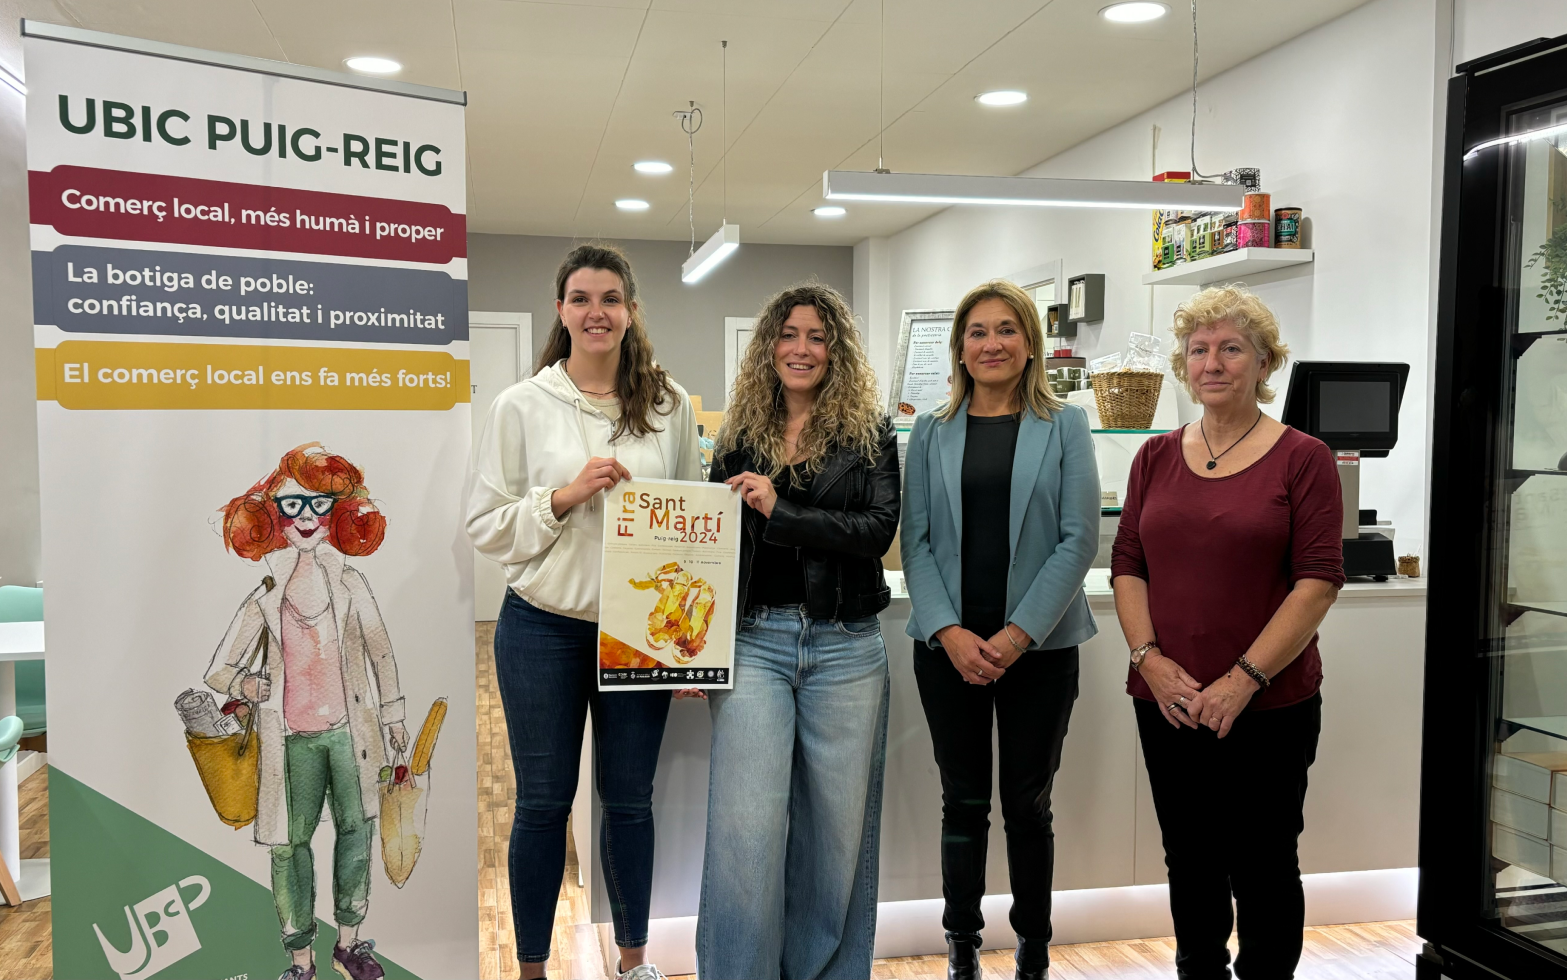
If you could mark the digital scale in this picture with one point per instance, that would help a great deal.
(1353, 407)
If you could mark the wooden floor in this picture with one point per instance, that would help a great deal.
(25, 948)
(1368, 951)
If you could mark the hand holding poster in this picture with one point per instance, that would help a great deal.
(671, 576)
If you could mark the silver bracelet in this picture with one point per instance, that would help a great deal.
(1007, 629)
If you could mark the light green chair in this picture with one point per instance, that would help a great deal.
(19, 604)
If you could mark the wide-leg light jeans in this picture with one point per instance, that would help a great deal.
(794, 801)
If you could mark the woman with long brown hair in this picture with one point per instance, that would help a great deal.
(598, 410)
(799, 744)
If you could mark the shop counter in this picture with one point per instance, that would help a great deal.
(1358, 850)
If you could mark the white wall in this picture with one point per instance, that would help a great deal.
(1341, 121)
(20, 554)
(1484, 26)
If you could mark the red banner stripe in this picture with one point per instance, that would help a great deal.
(87, 202)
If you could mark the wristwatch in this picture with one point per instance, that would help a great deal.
(1141, 653)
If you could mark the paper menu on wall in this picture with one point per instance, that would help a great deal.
(924, 368)
(669, 587)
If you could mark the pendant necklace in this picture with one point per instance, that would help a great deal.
(1213, 460)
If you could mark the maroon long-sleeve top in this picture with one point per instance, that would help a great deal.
(1220, 555)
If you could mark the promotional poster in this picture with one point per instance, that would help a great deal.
(250, 307)
(671, 580)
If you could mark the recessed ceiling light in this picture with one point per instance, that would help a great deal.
(1002, 98)
(829, 211)
(651, 167)
(1135, 12)
(631, 204)
(375, 66)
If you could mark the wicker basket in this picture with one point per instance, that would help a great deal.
(1126, 399)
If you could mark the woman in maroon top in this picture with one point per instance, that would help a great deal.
(1228, 557)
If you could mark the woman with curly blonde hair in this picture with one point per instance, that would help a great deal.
(799, 743)
(1228, 555)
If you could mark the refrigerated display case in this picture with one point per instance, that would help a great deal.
(1493, 842)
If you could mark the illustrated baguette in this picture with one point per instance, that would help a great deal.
(424, 745)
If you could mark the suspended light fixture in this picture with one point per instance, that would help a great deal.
(1044, 192)
(727, 238)
(713, 251)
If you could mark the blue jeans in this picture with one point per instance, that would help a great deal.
(545, 665)
(794, 801)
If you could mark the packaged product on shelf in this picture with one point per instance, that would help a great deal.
(1181, 238)
(1144, 352)
(1254, 234)
(1109, 362)
(1229, 231)
(1257, 207)
(1197, 241)
(1286, 227)
(1247, 177)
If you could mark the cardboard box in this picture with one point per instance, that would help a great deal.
(1559, 826)
(1530, 774)
(1521, 850)
(1528, 816)
(1558, 864)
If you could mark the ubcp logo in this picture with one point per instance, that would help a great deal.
(161, 931)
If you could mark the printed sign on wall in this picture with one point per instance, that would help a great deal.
(671, 580)
(250, 307)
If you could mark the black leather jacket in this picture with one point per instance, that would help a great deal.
(843, 532)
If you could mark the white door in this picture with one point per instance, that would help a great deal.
(500, 347)
(737, 337)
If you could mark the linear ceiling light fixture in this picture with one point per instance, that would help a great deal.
(631, 204)
(727, 238)
(651, 167)
(713, 251)
(1042, 192)
(1004, 97)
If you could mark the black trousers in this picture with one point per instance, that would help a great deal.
(1032, 705)
(1230, 811)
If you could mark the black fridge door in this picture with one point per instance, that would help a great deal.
(1493, 849)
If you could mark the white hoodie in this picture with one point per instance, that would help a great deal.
(539, 435)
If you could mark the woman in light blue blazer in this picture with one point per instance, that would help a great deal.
(1000, 525)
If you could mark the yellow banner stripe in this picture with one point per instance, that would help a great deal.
(110, 375)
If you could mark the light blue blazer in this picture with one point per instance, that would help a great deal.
(1054, 526)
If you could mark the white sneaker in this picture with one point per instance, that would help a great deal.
(642, 971)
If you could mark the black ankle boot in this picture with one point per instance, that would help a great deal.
(962, 956)
(1025, 953)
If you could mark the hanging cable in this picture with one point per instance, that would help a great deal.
(726, 130)
(881, 106)
(690, 122)
(1195, 171)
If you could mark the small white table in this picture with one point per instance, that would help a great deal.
(18, 641)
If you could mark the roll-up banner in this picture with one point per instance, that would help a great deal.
(250, 308)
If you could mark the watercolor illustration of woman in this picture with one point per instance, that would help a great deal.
(323, 722)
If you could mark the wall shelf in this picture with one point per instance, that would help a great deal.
(1229, 265)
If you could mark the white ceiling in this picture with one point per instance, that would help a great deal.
(564, 95)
